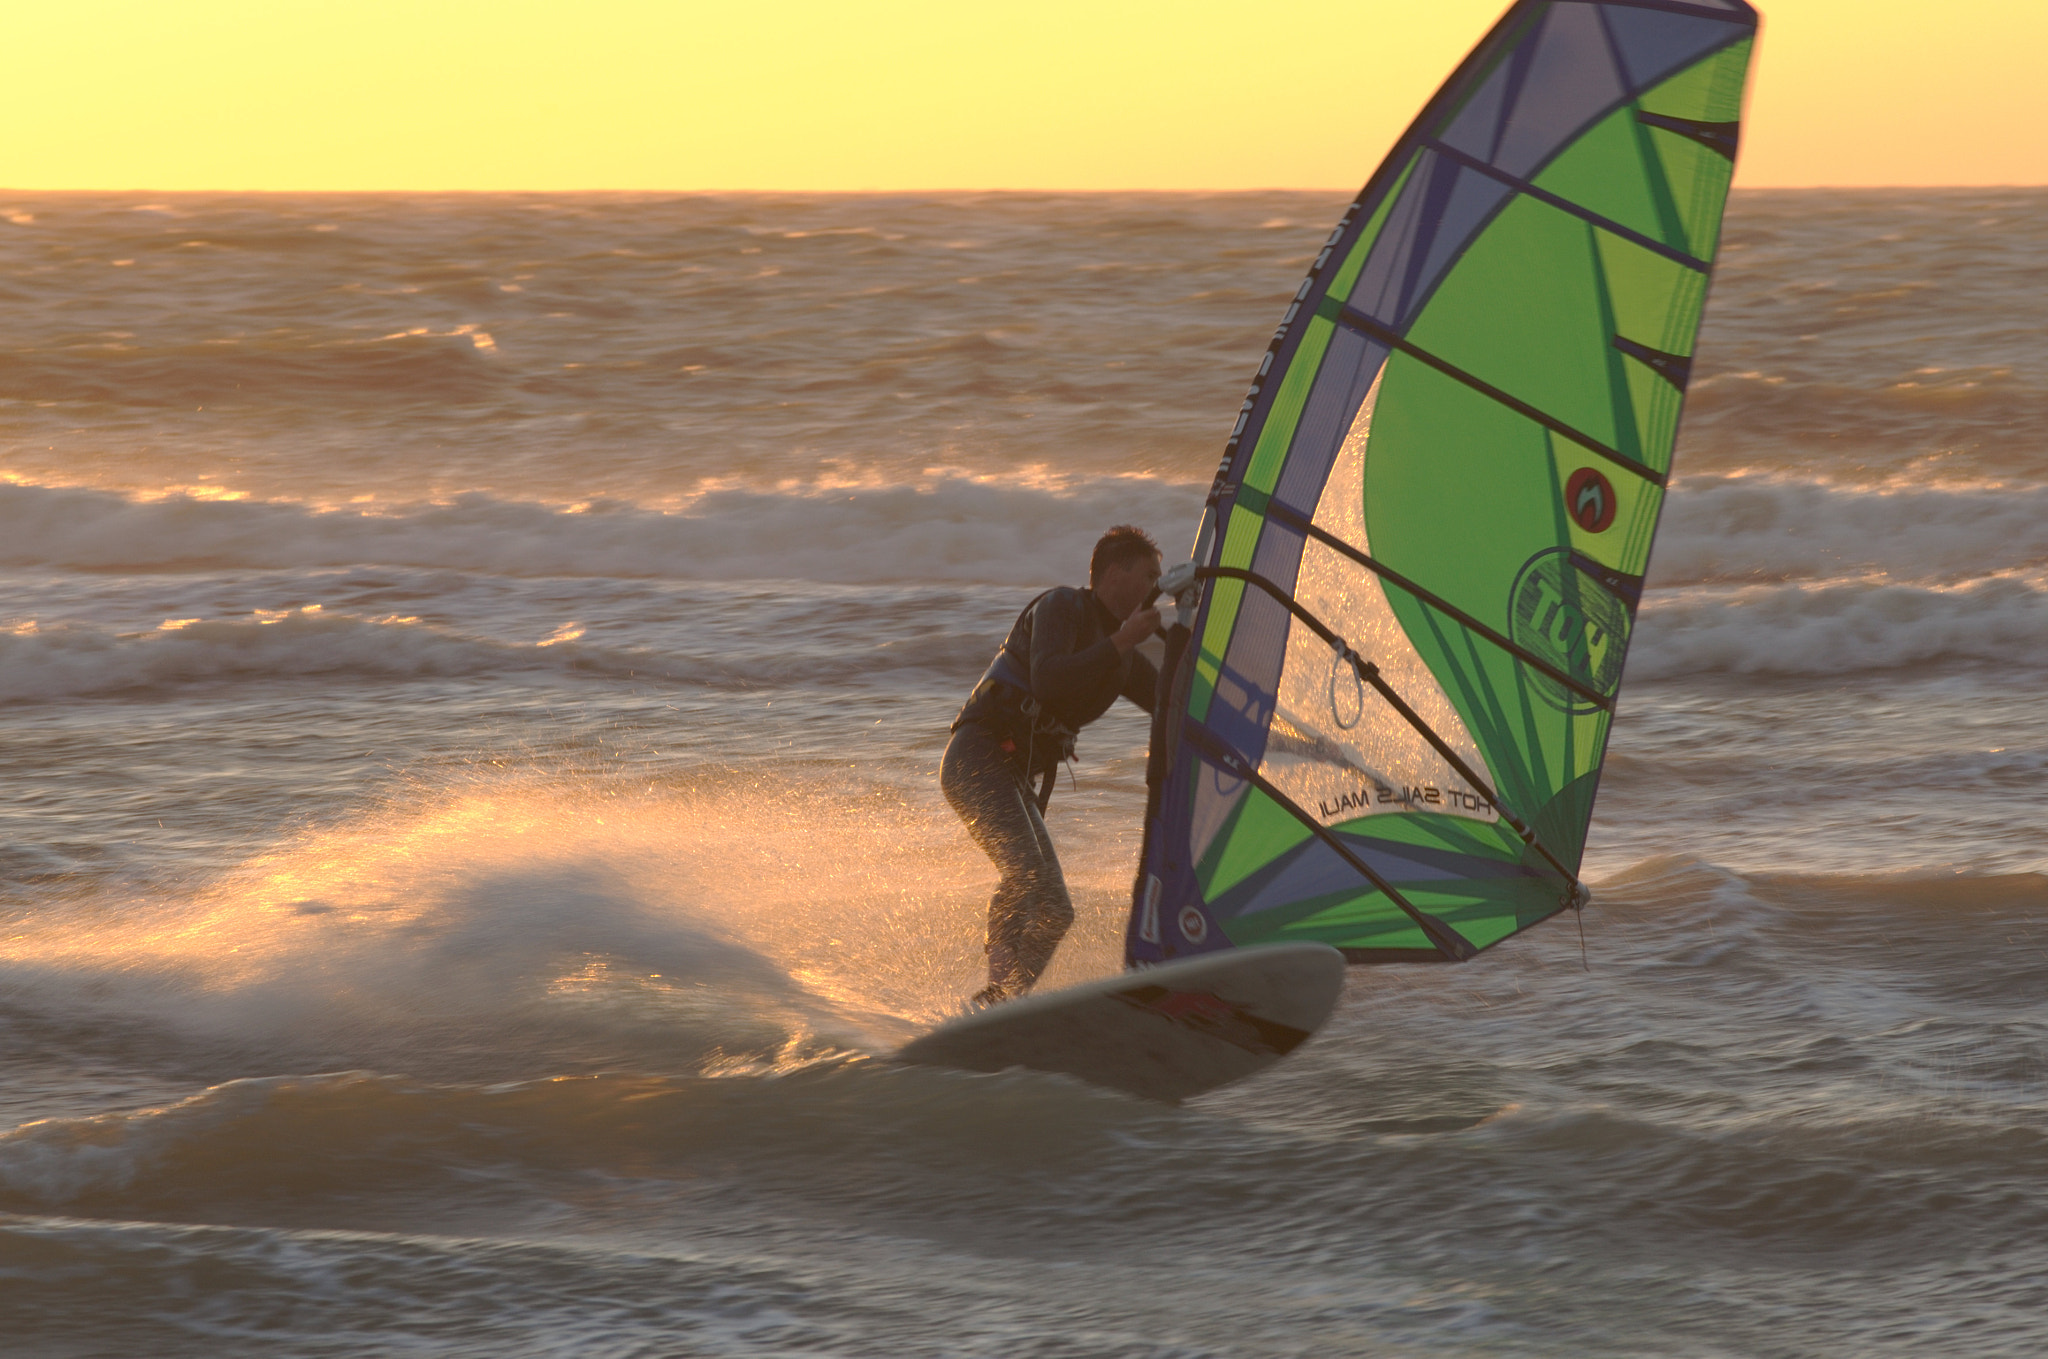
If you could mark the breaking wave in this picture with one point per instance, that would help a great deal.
(949, 527)
(1752, 575)
(72, 660)
(1750, 529)
(1013, 532)
(1840, 628)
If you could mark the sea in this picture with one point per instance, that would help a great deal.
(473, 671)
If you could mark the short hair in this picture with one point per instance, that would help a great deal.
(1124, 543)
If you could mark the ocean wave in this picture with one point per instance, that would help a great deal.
(357, 1133)
(78, 660)
(74, 660)
(1839, 629)
(954, 528)
(79, 1288)
(1625, 1133)
(416, 365)
(503, 926)
(948, 528)
(665, 981)
(1990, 413)
(1793, 1182)
(1762, 528)
(1752, 576)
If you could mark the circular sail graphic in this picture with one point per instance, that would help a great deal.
(1589, 499)
(1566, 616)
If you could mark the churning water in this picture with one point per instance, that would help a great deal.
(472, 674)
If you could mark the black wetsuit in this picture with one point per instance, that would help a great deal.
(1056, 672)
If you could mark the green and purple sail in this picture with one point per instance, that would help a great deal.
(1386, 712)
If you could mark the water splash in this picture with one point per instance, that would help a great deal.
(512, 929)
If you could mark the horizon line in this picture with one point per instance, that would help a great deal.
(876, 192)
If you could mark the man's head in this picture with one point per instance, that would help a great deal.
(1124, 569)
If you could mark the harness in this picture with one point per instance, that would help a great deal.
(1041, 725)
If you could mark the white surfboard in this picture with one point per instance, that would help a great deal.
(1165, 1032)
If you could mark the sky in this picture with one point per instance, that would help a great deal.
(914, 94)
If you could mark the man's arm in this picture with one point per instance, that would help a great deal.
(1060, 675)
(1141, 683)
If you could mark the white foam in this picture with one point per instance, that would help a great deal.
(1748, 528)
(75, 659)
(500, 927)
(78, 659)
(1839, 628)
(1751, 575)
(959, 528)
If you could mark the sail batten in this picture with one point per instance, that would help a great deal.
(1578, 210)
(1464, 620)
(1367, 325)
(1383, 726)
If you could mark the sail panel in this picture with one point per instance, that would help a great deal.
(1653, 41)
(1349, 370)
(1333, 747)
(1568, 77)
(1452, 464)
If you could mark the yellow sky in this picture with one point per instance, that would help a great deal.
(913, 94)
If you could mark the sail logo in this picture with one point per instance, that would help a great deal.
(1589, 498)
(1564, 615)
(1194, 926)
(1421, 797)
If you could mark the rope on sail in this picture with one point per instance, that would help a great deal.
(1369, 673)
(1294, 519)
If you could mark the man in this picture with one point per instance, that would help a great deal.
(1068, 656)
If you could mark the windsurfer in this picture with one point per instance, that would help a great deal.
(1067, 658)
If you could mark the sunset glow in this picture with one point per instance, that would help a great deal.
(913, 94)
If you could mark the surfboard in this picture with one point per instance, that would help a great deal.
(1163, 1033)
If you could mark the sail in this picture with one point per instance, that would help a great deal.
(1384, 724)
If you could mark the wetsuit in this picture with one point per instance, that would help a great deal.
(1057, 671)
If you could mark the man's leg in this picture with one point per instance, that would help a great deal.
(1030, 911)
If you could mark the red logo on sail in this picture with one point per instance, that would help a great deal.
(1589, 498)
